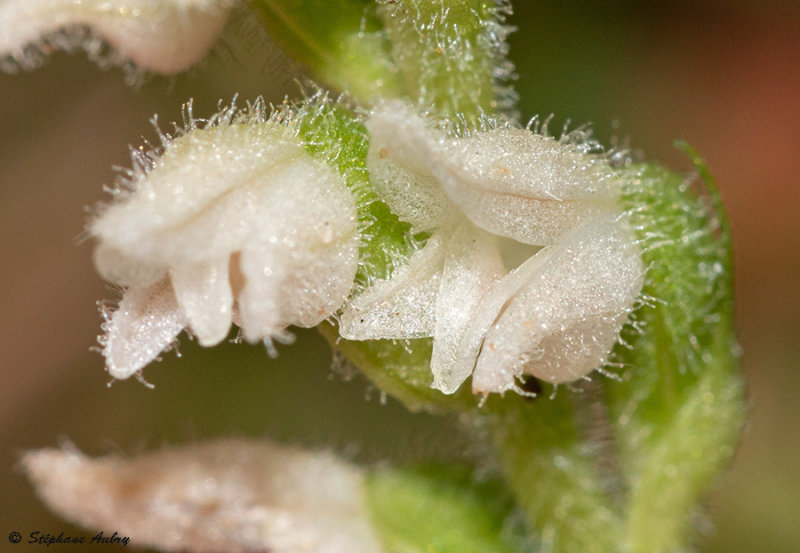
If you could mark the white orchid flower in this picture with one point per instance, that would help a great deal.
(233, 221)
(230, 495)
(160, 36)
(557, 315)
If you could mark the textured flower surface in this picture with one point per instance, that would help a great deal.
(555, 316)
(233, 221)
(161, 36)
(450, 244)
(229, 495)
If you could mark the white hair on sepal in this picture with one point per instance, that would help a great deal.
(162, 37)
(72, 39)
(146, 322)
(399, 175)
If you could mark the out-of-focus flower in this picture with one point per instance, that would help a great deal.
(231, 495)
(233, 221)
(160, 36)
(555, 316)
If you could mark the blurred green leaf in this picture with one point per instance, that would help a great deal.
(438, 509)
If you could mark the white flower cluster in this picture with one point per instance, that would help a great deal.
(234, 221)
(557, 315)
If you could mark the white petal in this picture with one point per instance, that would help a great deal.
(401, 307)
(145, 324)
(471, 267)
(232, 495)
(204, 296)
(566, 319)
(511, 182)
(489, 309)
(400, 179)
(164, 36)
(259, 300)
(301, 257)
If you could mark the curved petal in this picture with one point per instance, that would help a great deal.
(145, 324)
(471, 267)
(402, 306)
(401, 180)
(165, 37)
(490, 308)
(566, 319)
(205, 298)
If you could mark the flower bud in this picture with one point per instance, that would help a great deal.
(231, 495)
(161, 36)
(234, 221)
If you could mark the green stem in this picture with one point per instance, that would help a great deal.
(673, 417)
(451, 54)
(554, 475)
(341, 42)
(448, 55)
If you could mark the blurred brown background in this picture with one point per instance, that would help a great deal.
(723, 75)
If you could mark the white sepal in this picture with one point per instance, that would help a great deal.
(509, 181)
(399, 174)
(564, 321)
(402, 306)
(146, 323)
(231, 495)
